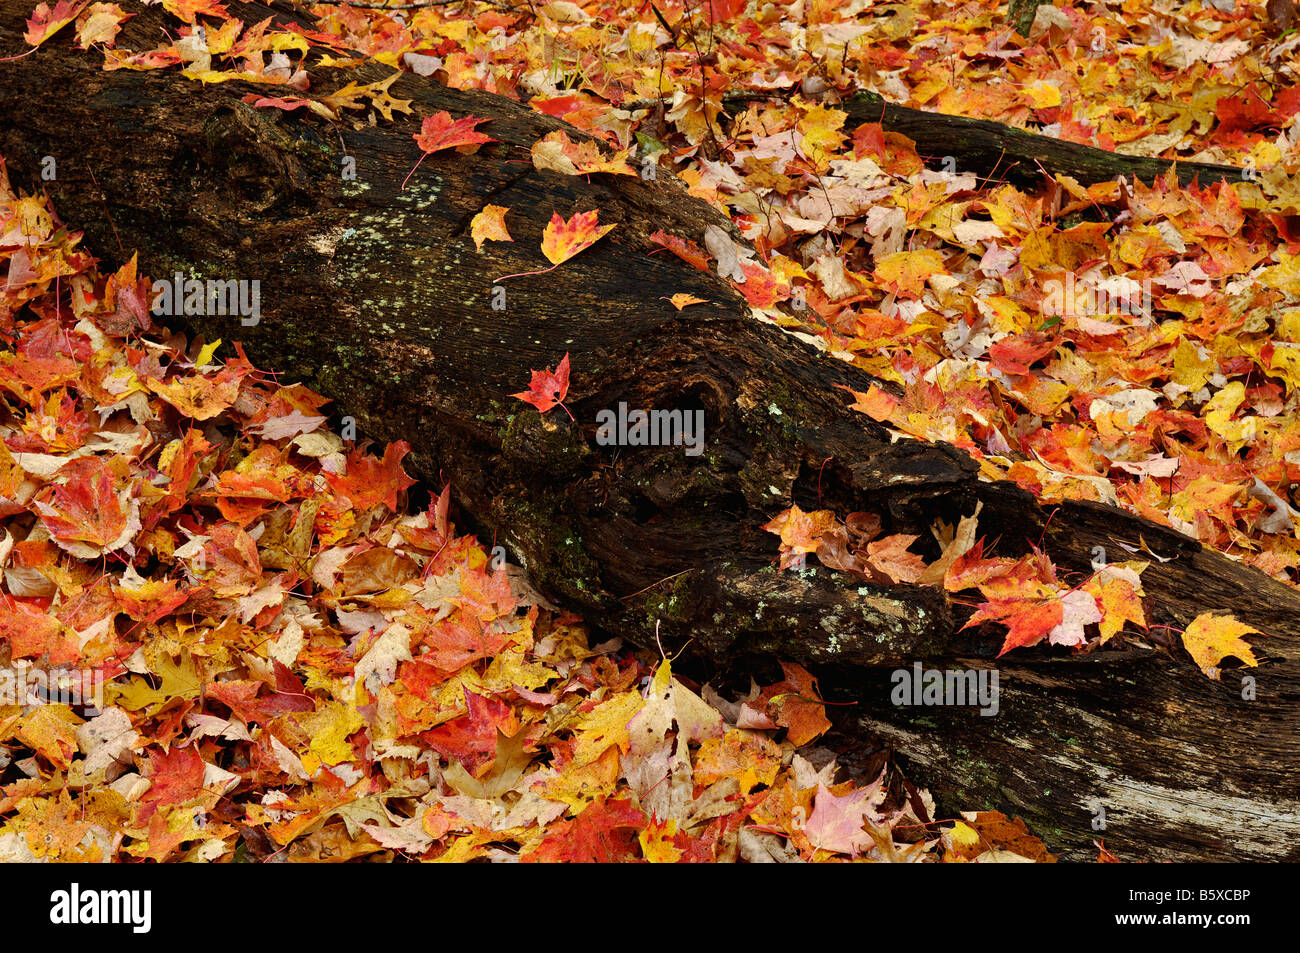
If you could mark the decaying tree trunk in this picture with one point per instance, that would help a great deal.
(1016, 155)
(376, 296)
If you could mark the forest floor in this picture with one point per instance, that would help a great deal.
(282, 649)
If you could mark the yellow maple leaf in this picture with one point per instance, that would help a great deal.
(603, 726)
(577, 787)
(821, 136)
(51, 731)
(558, 153)
(1043, 94)
(1219, 411)
(1190, 369)
(180, 679)
(1118, 600)
(489, 225)
(1210, 639)
(905, 272)
(657, 841)
(330, 726)
(1284, 276)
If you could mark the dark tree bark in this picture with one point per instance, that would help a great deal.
(1017, 155)
(376, 297)
(1021, 13)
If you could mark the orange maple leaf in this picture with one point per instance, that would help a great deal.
(564, 239)
(368, 482)
(31, 630)
(796, 705)
(876, 403)
(800, 532)
(558, 153)
(683, 300)
(85, 515)
(720, 11)
(489, 225)
(152, 600)
(190, 10)
(891, 556)
(683, 248)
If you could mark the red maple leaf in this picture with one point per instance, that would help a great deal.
(1015, 355)
(1243, 112)
(44, 22)
(1028, 621)
(440, 131)
(84, 515)
(176, 777)
(720, 11)
(247, 700)
(683, 248)
(472, 740)
(605, 832)
(548, 388)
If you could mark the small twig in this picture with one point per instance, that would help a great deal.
(735, 97)
(107, 213)
(660, 17)
(652, 585)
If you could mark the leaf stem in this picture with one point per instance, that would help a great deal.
(412, 172)
(525, 274)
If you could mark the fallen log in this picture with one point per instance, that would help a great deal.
(1001, 152)
(375, 296)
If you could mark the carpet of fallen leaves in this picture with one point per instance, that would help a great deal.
(296, 664)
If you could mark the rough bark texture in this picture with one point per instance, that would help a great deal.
(1017, 155)
(1021, 13)
(376, 297)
